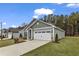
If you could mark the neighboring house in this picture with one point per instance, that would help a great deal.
(14, 32)
(3, 33)
(11, 32)
(40, 30)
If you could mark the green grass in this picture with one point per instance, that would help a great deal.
(6, 42)
(68, 46)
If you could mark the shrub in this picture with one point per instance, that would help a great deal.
(24, 37)
(12, 36)
(56, 38)
(16, 40)
(20, 35)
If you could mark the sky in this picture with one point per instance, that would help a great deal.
(14, 14)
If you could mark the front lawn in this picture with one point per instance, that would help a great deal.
(6, 42)
(68, 46)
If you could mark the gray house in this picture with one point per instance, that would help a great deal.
(40, 30)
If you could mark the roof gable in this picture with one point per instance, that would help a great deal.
(40, 24)
(34, 22)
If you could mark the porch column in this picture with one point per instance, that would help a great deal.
(31, 34)
(53, 34)
(27, 35)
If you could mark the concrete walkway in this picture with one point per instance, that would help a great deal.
(21, 48)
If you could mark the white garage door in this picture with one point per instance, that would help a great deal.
(9, 35)
(42, 35)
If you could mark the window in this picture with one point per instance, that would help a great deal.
(39, 32)
(43, 31)
(35, 32)
(48, 31)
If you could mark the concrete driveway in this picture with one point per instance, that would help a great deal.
(21, 48)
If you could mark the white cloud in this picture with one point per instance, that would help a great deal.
(59, 3)
(35, 16)
(73, 5)
(43, 11)
(4, 23)
(14, 26)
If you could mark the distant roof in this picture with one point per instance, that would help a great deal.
(14, 30)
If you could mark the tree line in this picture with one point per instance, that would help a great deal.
(63, 21)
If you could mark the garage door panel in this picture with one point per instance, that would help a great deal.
(47, 36)
(42, 35)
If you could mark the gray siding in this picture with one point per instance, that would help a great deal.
(61, 34)
(16, 35)
(22, 32)
(39, 24)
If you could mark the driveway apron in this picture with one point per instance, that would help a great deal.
(21, 48)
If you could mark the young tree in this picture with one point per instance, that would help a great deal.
(20, 35)
(12, 36)
(56, 38)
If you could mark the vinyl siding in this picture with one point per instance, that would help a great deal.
(39, 24)
(61, 34)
